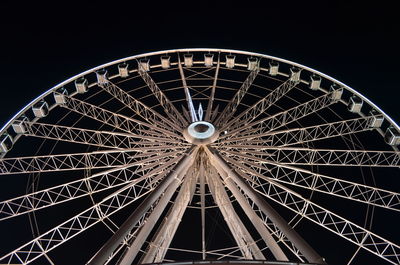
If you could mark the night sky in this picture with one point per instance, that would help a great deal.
(42, 46)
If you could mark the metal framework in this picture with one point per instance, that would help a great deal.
(108, 161)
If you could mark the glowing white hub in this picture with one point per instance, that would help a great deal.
(200, 132)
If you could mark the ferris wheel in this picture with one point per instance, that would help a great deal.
(213, 155)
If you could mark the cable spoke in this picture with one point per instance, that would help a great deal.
(230, 109)
(168, 107)
(83, 187)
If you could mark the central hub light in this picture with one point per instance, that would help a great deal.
(200, 132)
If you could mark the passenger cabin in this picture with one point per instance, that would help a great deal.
(6, 143)
(273, 68)
(392, 136)
(40, 109)
(165, 61)
(123, 69)
(355, 104)
(20, 126)
(208, 59)
(230, 61)
(59, 95)
(336, 91)
(81, 85)
(376, 120)
(188, 59)
(102, 77)
(315, 82)
(295, 74)
(144, 64)
(252, 63)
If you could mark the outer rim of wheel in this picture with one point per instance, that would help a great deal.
(69, 80)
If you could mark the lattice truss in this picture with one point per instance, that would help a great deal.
(103, 162)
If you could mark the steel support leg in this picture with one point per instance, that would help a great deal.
(255, 219)
(310, 254)
(102, 255)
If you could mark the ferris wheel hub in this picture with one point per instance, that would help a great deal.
(201, 133)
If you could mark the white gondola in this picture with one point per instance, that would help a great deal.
(40, 109)
(392, 136)
(6, 143)
(377, 120)
(102, 77)
(336, 91)
(188, 59)
(59, 95)
(208, 59)
(273, 68)
(230, 61)
(144, 65)
(315, 82)
(252, 63)
(19, 126)
(81, 85)
(295, 74)
(165, 61)
(355, 104)
(123, 69)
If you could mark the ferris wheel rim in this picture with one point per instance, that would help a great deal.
(5, 127)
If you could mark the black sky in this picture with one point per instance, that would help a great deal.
(42, 45)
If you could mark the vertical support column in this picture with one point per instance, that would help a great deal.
(101, 256)
(203, 210)
(255, 219)
(310, 254)
(244, 240)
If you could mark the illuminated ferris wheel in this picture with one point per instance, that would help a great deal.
(213, 155)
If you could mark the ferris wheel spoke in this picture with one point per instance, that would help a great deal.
(318, 182)
(78, 161)
(280, 119)
(83, 187)
(132, 126)
(261, 106)
(79, 223)
(331, 221)
(167, 105)
(92, 137)
(323, 157)
(306, 134)
(230, 109)
(138, 107)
